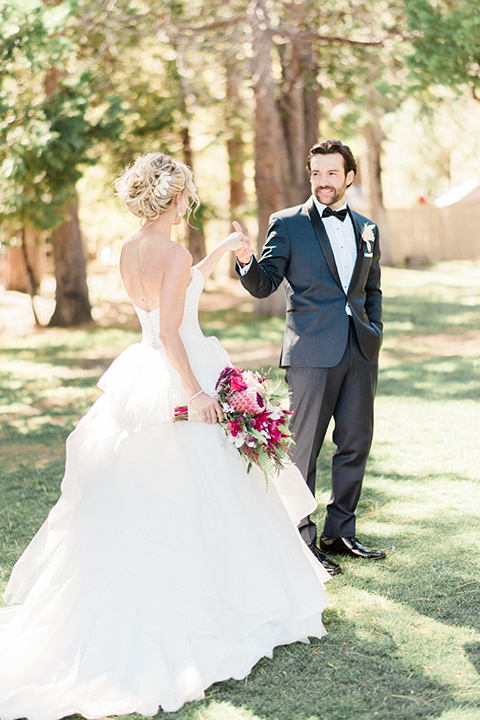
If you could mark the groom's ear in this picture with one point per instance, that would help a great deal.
(350, 177)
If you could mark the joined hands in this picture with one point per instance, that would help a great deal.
(240, 244)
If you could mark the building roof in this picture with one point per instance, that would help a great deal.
(458, 193)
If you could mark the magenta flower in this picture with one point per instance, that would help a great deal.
(234, 427)
(237, 384)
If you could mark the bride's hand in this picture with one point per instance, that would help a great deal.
(239, 243)
(208, 408)
(246, 250)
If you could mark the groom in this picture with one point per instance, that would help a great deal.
(329, 257)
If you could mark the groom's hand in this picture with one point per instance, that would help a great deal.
(244, 256)
(245, 252)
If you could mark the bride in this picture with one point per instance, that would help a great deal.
(164, 567)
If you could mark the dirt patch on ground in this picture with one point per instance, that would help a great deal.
(33, 455)
(436, 345)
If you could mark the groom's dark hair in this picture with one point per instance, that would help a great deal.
(329, 147)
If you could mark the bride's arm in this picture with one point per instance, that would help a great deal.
(172, 303)
(235, 242)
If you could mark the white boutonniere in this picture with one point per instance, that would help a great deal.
(368, 238)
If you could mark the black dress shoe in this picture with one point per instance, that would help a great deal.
(331, 567)
(349, 546)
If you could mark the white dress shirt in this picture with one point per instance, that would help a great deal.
(344, 247)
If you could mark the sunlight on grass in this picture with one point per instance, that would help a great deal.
(432, 437)
(426, 644)
(224, 711)
(460, 715)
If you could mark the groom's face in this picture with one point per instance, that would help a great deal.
(328, 179)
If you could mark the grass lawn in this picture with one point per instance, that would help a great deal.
(404, 633)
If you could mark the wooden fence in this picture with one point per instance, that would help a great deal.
(432, 234)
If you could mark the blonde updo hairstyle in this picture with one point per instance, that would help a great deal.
(149, 187)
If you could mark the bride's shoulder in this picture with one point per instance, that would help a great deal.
(177, 264)
(176, 259)
(180, 253)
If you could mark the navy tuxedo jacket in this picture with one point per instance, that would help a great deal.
(298, 250)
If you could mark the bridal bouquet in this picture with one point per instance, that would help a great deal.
(254, 419)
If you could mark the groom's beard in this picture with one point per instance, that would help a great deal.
(338, 195)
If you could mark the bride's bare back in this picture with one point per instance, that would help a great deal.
(155, 271)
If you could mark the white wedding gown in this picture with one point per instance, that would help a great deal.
(164, 567)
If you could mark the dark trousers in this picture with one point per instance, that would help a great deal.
(345, 393)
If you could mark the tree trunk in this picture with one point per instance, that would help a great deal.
(285, 130)
(194, 237)
(72, 306)
(32, 280)
(299, 102)
(25, 263)
(311, 99)
(294, 122)
(71, 295)
(271, 161)
(235, 151)
(374, 139)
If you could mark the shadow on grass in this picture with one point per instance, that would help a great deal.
(41, 405)
(309, 682)
(421, 315)
(59, 355)
(447, 377)
(473, 653)
(421, 572)
(241, 326)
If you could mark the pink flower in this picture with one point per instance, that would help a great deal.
(237, 384)
(234, 427)
(275, 434)
(262, 419)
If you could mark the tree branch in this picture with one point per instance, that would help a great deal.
(285, 32)
(308, 35)
(210, 26)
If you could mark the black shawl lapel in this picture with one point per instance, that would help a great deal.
(358, 239)
(322, 238)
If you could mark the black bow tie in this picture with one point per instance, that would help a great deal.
(340, 214)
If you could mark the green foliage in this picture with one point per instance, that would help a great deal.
(47, 130)
(446, 44)
(363, 82)
(83, 82)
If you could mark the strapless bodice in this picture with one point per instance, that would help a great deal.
(189, 328)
